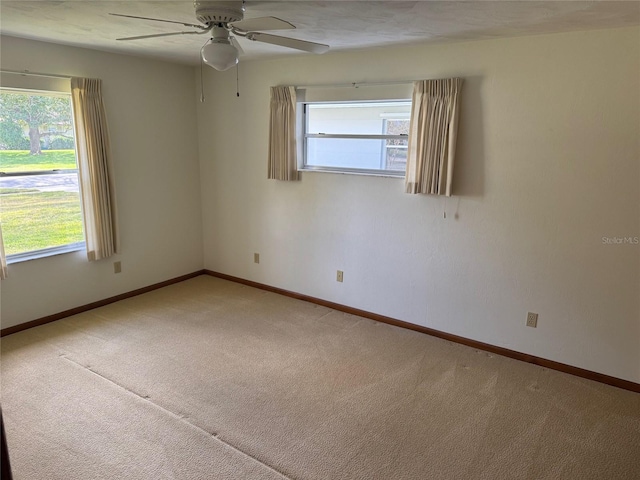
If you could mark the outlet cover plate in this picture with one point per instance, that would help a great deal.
(532, 320)
(340, 276)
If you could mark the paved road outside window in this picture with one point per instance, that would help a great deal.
(61, 182)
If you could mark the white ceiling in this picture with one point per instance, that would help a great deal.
(341, 24)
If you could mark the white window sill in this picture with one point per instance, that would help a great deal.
(347, 171)
(45, 252)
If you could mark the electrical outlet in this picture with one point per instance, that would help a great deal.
(532, 320)
(340, 276)
(256, 258)
(117, 267)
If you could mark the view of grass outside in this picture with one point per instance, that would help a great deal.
(39, 194)
(34, 214)
(33, 220)
(12, 161)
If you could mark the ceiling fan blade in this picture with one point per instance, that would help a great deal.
(235, 43)
(262, 23)
(158, 20)
(140, 37)
(288, 42)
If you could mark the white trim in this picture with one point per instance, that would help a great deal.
(45, 252)
(27, 73)
(354, 171)
(357, 136)
(356, 84)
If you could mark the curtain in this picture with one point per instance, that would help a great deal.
(3, 258)
(283, 164)
(432, 136)
(94, 166)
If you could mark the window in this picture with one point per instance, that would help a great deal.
(356, 137)
(40, 207)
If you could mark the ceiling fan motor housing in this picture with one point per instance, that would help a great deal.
(219, 12)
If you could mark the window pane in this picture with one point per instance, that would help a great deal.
(396, 155)
(357, 118)
(39, 216)
(41, 210)
(12, 161)
(388, 155)
(397, 126)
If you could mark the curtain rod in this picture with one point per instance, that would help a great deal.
(34, 74)
(356, 84)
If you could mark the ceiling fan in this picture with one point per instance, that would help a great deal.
(225, 21)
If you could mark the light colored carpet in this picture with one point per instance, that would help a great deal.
(210, 379)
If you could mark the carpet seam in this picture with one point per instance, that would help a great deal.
(175, 415)
(325, 315)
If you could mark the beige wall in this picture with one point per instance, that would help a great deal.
(548, 165)
(152, 121)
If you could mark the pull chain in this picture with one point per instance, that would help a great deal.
(201, 83)
(237, 79)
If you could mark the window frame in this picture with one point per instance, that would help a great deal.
(67, 247)
(304, 135)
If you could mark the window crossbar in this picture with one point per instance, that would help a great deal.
(356, 136)
(38, 172)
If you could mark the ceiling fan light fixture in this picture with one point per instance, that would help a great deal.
(220, 55)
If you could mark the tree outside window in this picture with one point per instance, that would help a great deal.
(39, 193)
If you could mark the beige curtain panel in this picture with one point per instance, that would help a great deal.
(283, 164)
(432, 136)
(94, 166)
(3, 258)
